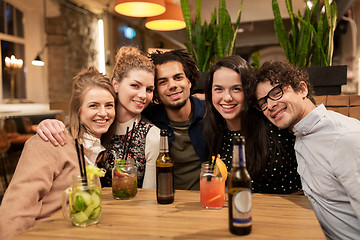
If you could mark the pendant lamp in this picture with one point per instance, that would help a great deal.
(172, 19)
(140, 8)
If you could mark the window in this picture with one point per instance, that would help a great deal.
(12, 43)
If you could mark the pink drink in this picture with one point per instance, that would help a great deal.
(212, 192)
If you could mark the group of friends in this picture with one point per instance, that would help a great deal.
(292, 145)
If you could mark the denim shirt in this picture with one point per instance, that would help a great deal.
(327, 149)
(157, 115)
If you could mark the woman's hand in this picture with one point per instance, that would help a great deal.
(52, 130)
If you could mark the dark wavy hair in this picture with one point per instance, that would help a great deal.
(214, 123)
(190, 68)
(279, 72)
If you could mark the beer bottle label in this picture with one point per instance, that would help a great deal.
(164, 183)
(242, 208)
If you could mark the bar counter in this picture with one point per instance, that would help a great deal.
(274, 217)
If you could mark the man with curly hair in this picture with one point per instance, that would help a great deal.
(176, 75)
(327, 146)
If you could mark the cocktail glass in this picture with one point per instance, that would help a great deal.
(124, 179)
(212, 187)
(82, 204)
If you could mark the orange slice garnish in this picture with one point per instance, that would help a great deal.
(220, 167)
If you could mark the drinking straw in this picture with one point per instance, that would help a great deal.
(83, 162)
(125, 142)
(81, 159)
(130, 140)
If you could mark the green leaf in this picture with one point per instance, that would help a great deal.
(255, 57)
(280, 31)
(317, 40)
(186, 14)
(209, 42)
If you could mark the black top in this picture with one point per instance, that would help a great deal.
(280, 175)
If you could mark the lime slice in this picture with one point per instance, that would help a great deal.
(80, 217)
(95, 199)
(120, 165)
(89, 210)
(96, 213)
(78, 204)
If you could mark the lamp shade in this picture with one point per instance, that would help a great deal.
(37, 61)
(140, 8)
(171, 19)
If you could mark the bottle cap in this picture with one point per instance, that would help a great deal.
(163, 132)
(239, 140)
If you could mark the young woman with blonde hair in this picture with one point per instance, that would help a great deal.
(45, 171)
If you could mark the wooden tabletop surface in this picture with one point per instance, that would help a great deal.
(274, 217)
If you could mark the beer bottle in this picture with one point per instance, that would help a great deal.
(164, 172)
(239, 189)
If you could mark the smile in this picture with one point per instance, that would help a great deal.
(139, 103)
(278, 113)
(228, 106)
(101, 121)
(174, 95)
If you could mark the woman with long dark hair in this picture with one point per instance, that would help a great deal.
(270, 155)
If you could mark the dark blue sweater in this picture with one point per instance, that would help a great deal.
(157, 115)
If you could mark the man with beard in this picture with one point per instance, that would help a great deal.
(181, 114)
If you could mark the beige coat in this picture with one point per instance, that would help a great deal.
(35, 191)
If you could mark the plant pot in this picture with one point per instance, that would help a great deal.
(327, 80)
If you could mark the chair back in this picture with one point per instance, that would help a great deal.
(10, 125)
(27, 123)
(4, 141)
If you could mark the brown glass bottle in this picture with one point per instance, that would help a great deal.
(164, 172)
(239, 189)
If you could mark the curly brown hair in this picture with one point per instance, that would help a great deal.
(190, 68)
(279, 72)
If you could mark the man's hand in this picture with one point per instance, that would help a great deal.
(200, 96)
(53, 130)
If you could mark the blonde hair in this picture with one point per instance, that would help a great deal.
(83, 81)
(130, 58)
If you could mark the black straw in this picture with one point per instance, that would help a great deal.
(125, 142)
(83, 162)
(78, 155)
(81, 159)
(130, 140)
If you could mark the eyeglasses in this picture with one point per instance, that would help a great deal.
(274, 94)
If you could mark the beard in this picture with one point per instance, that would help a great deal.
(177, 106)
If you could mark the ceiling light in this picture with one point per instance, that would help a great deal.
(171, 19)
(140, 8)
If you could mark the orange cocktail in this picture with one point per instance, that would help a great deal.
(212, 187)
(212, 193)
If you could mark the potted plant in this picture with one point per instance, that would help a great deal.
(210, 41)
(309, 44)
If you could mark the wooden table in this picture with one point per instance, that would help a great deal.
(274, 217)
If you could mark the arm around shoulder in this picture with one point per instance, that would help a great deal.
(52, 130)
